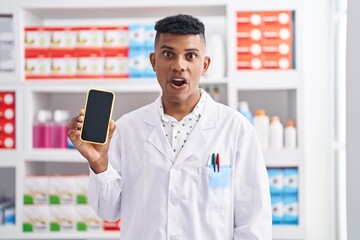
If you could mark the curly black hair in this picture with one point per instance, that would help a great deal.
(180, 24)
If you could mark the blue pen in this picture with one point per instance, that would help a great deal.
(213, 162)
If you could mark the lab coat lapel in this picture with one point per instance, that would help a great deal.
(157, 136)
(197, 137)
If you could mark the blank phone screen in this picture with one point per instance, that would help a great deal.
(97, 116)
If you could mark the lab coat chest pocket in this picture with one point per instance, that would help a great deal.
(214, 189)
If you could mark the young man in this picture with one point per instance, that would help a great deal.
(184, 166)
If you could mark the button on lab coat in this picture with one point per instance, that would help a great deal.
(158, 196)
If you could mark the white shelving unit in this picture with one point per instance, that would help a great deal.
(278, 91)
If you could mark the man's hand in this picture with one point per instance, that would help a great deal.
(96, 154)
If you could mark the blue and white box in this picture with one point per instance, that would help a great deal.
(136, 62)
(277, 206)
(136, 36)
(291, 216)
(276, 180)
(291, 185)
(148, 69)
(149, 36)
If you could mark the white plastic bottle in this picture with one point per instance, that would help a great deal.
(290, 135)
(216, 50)
(243, 108)
(262, 126)
(276, 133)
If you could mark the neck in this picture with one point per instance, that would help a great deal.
(179, 110)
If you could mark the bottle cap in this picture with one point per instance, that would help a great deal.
(61, 116)
(275, 119)
(43, 116)
(260, 112)
(290, 123)
(58, 116)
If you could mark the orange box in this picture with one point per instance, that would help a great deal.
(248, 61)
(277, 62)
(252, 33)
(249, 47)
(249, 18)
(264, 40)
(284, 18)
(275, 32)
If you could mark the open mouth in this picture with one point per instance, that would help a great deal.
(178, 81)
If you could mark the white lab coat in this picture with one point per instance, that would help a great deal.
(159, 197)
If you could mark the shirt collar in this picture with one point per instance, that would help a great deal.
(196, 112)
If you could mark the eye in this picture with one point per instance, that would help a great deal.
(191, 55)
(168, 54)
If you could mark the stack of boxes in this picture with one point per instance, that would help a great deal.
(7, 61)
(7, 120)
(60, 204)
(88, 52)
(265, 40)
(284, 195)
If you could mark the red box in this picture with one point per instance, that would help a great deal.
(7, 120)
(112, 226)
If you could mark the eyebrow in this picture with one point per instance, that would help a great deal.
(187, 49)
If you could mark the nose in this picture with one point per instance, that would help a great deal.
(179, 64)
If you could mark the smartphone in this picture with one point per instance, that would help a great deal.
(98, 110)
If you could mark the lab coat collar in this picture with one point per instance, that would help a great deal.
(196, 138)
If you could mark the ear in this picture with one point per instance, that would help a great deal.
(207, 61)
(152, 60)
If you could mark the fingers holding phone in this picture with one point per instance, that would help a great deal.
(93, 128)
(74, 127)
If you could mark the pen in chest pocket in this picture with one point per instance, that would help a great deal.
(215, 162)
(218, 161)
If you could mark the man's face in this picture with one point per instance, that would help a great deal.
(179, 62)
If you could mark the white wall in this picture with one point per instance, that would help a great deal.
(316, 70)
(353, 120)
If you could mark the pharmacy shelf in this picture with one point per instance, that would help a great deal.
(118, 85)
(7, 78)
(54, 155)
(218, 16)
(282, 232)
(9, 159)
(76, 85)
(8, 230)
(266, 81)
(64, 235)
(283, 158)
(122, 6)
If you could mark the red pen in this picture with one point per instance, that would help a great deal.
(218, 161)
